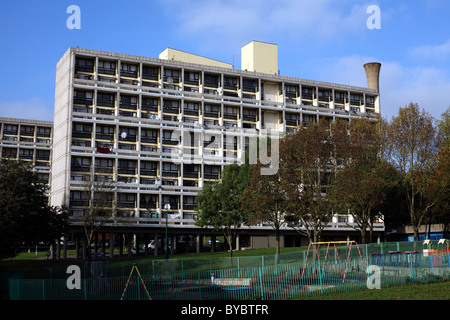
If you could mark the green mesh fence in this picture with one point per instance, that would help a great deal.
(287, 275)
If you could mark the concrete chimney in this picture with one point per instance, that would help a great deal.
(373, 75)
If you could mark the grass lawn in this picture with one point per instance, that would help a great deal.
(431, 291)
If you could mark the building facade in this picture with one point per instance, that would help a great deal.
(156, 130)
(29, 141)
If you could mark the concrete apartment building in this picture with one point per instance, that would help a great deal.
(29, 141)
(157, 129)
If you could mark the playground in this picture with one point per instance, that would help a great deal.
(324, 267)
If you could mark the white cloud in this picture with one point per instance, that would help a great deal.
(33, 109)
(235, 22)
(399, 85)
(440, 51)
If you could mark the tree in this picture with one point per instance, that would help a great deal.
(266, 200)
(25, 215)
(97, 200)
(441, 187)
(308, 163)
(413, 145)
(220, 205)
(365, 179)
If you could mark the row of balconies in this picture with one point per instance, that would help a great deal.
(218, 84)
(40, 158)
(24, 133)
(130, 201)
(107, 166)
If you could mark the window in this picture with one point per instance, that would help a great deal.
(148, 201)
(211, 172)
(129, 70)
(105, 99)
(211, 111)
(107, 67)
(148, 168)
(249, 85)
(126, 200)
(149, 104)
(80, 164)
(191, 78)
(307, 93)
(128, 101)
(291, 90)
(171, 76)
(191, 108)
(149, 136)
(84, 64)
(127, 167)
(79, 198)
(82, 97)
(230, 83)
(104, 165)
(43, 155)
(340, 97)
(104, 132)
(189, 203)
(211, 80)
(150, 73)
(26, 153)
(170, 170)
(10, 129)
(43, 132)
(128, 134)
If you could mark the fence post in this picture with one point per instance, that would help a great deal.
(43, 289)
(261, 283)
(199, 289)
(320, 278)
(411, 269)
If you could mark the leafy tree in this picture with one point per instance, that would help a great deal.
(309, 159)
(220, 205)
(266, 200)
(25, 215)
(413, 149)
(441, 187)
(365, 179)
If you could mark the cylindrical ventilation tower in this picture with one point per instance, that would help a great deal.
(373, 75)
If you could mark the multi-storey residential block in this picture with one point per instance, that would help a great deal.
(157, 130)
(29, 141)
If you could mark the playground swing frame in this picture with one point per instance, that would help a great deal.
(349, 243)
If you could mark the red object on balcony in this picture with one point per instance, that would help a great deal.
(104, 150)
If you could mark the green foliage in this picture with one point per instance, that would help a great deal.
(25, 215)
(220, 205)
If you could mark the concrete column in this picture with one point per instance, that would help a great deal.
(111, 245)
(198, 243)
(156, 244)
(129, 244)
(77, 246)
(188, 240)
(213, 243)
(237, 242)
(84, 248)
(172, 244)
(103, 243)
(137, 243)
(65, 247)
(146, 244)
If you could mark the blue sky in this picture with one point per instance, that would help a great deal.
(320, 40)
